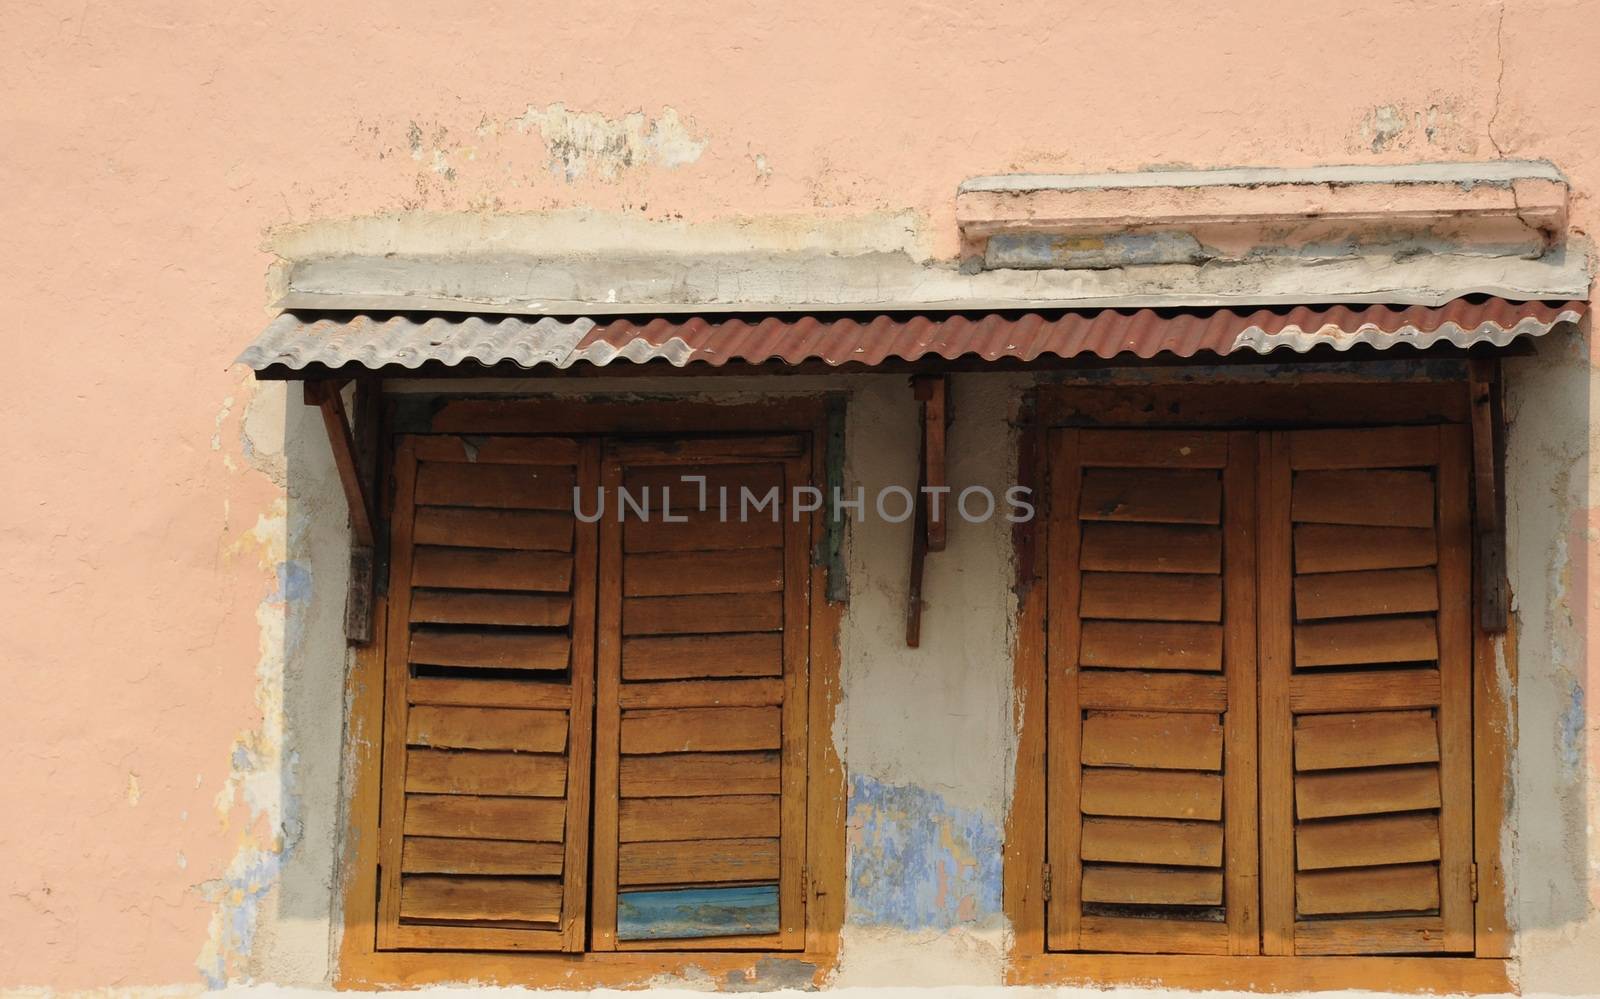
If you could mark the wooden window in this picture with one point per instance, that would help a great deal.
(488, 702)
(595, 734)
(1366, 722)
(1258, 662)
(701, 757)
(1152, 832)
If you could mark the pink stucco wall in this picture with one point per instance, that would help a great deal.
(150, 149)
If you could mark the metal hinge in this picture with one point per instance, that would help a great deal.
(1047, 882)
(1474, 882)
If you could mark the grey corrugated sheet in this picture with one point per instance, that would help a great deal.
(293, 343)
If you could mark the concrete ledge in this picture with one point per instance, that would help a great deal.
(1498, 209)
(583, 285)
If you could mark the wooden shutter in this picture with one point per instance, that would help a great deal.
(488, 696)
(1151, 687)
(1366, 641)
(701, 714)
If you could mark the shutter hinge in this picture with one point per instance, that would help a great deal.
(1474, 875)
(1047, 882)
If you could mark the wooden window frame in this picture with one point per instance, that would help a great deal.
(1271, 405)
(361, 965)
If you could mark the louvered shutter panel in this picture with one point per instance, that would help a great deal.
(702, 705)
(1366, 692)
(488, 696)
(1151, 688)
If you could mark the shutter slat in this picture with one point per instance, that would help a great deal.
(1151, 885)
(696, 774)
(702, 614)
(679, 657)
(1365, 594)
(704, 861)
(749, 570)
(1109, 547)
(1375, 640)
(508, 486)
(529, 610)
(528, 650)
(1137, 690)
(690, 730)
(1366, 842)
(1141, 596)
(488, 569)
(1153, 841)
(527, 900)
(472, 817)
(438, 855)
(538, 775)
(721, 817)
(1374, 498)
(487, 728)
(1159, 741)
(1313, 693)
(1333, 548)
(1332, 742)
(1151, 645)
(467, 527)
(703, 693)
(1366, 792)
(1161, 496)
(1411, 888)
(1165, 794)
(489, 693)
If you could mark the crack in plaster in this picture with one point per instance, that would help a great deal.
(1499, 79)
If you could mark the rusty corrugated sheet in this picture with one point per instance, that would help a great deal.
(295, 343)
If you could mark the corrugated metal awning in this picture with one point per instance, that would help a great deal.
(295, 342)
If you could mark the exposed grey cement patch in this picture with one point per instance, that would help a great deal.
(893, 281)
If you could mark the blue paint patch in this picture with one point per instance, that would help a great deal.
(244, 888)
(294, 583)
(1572, 730)
(697, 912)
(1044, 250)
(916, 862)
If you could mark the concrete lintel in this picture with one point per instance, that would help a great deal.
(1491, 172)
(1505, 208)
(891, 282)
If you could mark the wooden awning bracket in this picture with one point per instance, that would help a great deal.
(1488, 472)
(354, 476)
(928, 532)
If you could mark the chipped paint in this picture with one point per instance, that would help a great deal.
(916, 862)
(583, 143)
(1094, 252)
(257, 801)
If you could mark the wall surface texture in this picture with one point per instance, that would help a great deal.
(173, 533)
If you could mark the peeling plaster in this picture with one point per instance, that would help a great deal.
(917, 863)
(254, 797)
(587, 142)
(1404, 126)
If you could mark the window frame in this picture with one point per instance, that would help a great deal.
(1346, 401)
(360, 964)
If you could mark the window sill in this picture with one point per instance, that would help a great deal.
(730, 970)
(1438, 975)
